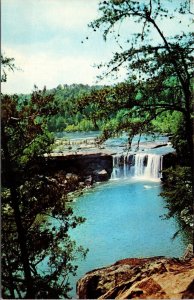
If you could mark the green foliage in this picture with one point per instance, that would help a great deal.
(180, 143)
(37, 252)
(177, 191)
(83, 125)
(157, 93)
(173, 124)
(98, 114)
(138, 48)
(7, 64)
(69, 118)
(167, 122)
(158, 73)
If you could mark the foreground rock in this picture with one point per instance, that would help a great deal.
(140, 278)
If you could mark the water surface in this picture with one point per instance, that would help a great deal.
(123, 220)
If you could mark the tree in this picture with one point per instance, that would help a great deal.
(178, 196)
(159, 70)
(159, 82)
(7, 65)
(168, 122)
(37, 252)
(65, 100)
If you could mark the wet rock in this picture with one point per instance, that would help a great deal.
(101, 175)
(160, 145)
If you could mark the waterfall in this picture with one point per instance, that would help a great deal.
(140, 165)
(148, 166)
(122, 166)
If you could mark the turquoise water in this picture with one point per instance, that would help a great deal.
(123, 220)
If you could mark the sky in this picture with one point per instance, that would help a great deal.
(45, 38)
(52, 44)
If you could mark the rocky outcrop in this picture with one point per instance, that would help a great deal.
(96, 165)
(140, 278)
(101, 175)
(159, 145)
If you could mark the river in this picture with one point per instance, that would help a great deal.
(123, 215)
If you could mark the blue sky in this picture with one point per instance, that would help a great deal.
(45, 38)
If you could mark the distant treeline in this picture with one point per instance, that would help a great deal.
(69, 118)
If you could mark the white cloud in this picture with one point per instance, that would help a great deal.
(69, 14)
(47, 70)
(39, 61)
(44, 37)
(64, 14)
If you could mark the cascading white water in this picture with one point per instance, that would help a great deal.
(141, 165)
(148, 166)
(116, 168)
(122, 166)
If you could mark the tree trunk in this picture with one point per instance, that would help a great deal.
(22, 240)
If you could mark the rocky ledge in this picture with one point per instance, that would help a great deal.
(140, 278)
(90, 167)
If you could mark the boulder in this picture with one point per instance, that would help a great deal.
(72, 177)
(101, 175)
(89, 181)
(140, 278)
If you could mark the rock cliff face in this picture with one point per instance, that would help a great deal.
(97, 165)
(140, 278)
